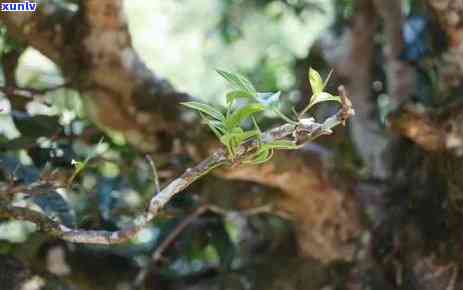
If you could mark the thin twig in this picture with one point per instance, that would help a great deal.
(157, 255)
(298, 133)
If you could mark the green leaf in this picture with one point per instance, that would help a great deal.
(232, 140)
(236, 133)
(206, 109)
(215, 129)
(266, 151)
(316, 82)
(226, 140)
(262, 156)
(239, 94)
(218, 125)
(323, 97)
(238, 81)
(242, 114)
(242, 137)
(80, 166)
(256, 125)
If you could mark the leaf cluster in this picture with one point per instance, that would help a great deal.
(228, 126)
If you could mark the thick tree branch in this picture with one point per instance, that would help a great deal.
(94, 50)
(125, 94)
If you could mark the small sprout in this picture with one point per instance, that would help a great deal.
(227, 127)
(239, 82)
(318, 96)
(81, 165)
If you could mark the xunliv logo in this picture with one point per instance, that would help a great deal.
(19, 7)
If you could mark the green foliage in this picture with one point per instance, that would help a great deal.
(6, 43)
(238, 81)
(206, 109)
(318, 95)
(228, 128)
(36, 126)
(81, 165)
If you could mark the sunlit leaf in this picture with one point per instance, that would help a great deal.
(316, 82)
(214, 128)
(242, 114)
(238, 81)
(262, 156)
(206, 109)
(242, 137)
(239, 94)
(80, 166)
(323, 97)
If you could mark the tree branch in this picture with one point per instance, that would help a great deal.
(298, 133)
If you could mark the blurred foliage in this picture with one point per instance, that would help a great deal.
(95, 181)
(226, 34)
